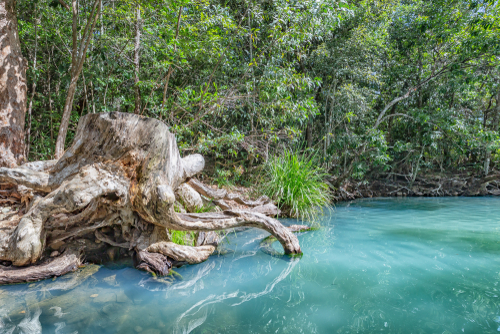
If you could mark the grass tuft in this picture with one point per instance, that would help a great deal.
(296, 184)
(184, 238)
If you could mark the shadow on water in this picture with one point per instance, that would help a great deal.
(395, 266)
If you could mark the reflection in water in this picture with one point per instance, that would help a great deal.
(204, 270)
(271, 285)
(29, 325)
(390, 265)
(58, 311)
(212, 299)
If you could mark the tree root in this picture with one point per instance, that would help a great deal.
(191, 255)
(213, 221)
(220, 195)
(63, 264)
(266, 244)
(116, 185)
(152, 262)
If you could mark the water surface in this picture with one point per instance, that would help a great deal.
(414, 265)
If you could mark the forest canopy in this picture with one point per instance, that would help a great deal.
(367, 87)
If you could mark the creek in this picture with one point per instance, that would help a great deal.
(409, 265)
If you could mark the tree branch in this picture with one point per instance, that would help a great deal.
(65, 5)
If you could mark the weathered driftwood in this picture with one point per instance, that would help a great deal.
(116, 185)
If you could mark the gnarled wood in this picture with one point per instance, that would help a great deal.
(63, 264)
(182, 253)
(213, 221)
(152, 262)
(223, 199)
(116, 186)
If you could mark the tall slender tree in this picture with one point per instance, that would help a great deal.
(137, 47)
(78, 54)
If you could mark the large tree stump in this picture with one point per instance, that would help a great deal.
(115, 184)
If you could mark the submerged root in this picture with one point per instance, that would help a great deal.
(155, 263)
(266, 244)
(189, 254)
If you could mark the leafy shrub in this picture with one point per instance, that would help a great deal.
(296, 184)
(222, 178)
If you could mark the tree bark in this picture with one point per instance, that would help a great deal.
(117, 183)
(309, 135)
(13, 88)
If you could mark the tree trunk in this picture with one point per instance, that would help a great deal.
(309, 135)
(116, 183)
(78, 55)
(496, 114)
(170, 68)
(494, 127)
(137, 45)
(13, 89)
(33, 88)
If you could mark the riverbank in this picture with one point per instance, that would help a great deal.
(431, 184)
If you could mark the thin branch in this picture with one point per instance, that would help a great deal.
(170, 69)
(396, 114)
(65, 5)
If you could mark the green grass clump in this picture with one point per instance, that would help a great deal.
(205, 208)
(296, 184)
(183, 237)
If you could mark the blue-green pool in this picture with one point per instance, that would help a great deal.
(416, 265)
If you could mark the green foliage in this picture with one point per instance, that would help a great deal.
(205, 208)
(297, 185)
(250, 77)
(223, 178)
(183, 237)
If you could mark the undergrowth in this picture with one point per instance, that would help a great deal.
(184, 238)
(297, 186)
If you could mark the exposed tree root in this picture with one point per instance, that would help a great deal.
(63, 264)
(224, 199)
(152, 262)
(266, 244)
(213, 221)
(191, 255)
(115, 186)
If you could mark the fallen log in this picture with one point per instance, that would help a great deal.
(116, 185)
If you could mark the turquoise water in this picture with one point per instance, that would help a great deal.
(412, 265)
